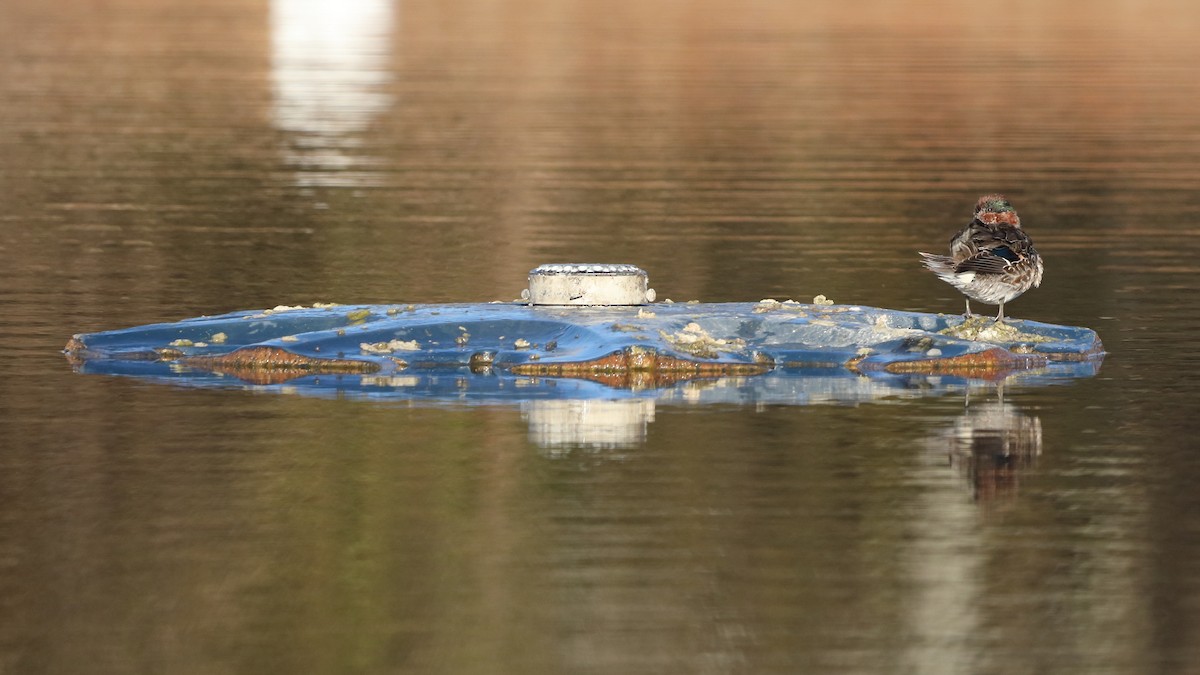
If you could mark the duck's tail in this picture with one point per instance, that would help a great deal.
(938, 264)
(944, 267)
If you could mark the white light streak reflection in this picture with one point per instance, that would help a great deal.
(330, 67)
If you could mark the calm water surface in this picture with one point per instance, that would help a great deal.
(161, 160)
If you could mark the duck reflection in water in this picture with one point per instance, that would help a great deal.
(991, 444)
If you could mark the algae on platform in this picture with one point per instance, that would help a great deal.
(356, 316)
(389, 346)
(987, 329)
(698, 342)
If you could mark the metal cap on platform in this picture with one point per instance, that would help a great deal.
(588, 284)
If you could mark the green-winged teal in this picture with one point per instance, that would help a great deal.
(991, 260)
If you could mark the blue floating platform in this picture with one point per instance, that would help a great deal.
(745, 352)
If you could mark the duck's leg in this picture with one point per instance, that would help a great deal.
(1000, 315)
(969, 314)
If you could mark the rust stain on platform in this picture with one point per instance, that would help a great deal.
(639, 367)
(272, 365)
(988, 364)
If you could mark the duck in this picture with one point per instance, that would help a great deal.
(992, 260)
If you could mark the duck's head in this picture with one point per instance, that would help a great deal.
(994, 208)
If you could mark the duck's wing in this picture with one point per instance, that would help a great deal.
(986, 262)
(995, 250)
